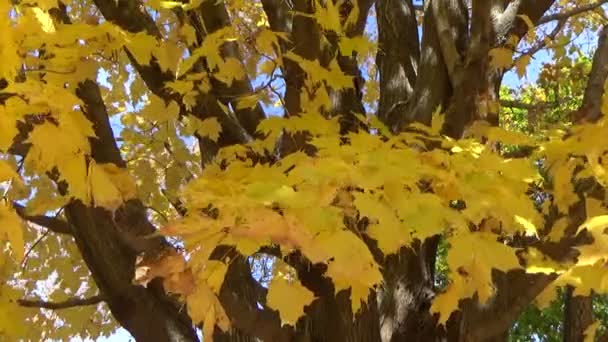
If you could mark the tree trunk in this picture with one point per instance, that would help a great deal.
(578, 315)
(147, 313)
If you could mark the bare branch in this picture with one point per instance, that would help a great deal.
(527, 106)
(53, 224)
(66, 304)
(549, 38)
(575, 11)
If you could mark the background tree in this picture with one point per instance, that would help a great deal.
(302, 170)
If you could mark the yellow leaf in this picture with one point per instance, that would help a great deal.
(360, 45)
(188, 33)
(110, 186)
(352, 265)
(45, 20)
(529, 227)
(210, 128)
(229, 71)
(267, 41)
(537, 262)
(328, 16)
(521, 65)
(7, 171)
(390, 233)
(122, 180)
(8, 126)
(547, 296)
(437, 121)
(502, 58)
(591, 330)
(12, 315)
(157, 111)
(52, 145)
(74, 171)
(598, 250)
(447, 302)
(11, 229)
(214, 274)
(8, 49)
(287, 295)
(141, 46)
(471, 258)
(200, 303)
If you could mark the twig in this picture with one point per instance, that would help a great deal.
(66, 304)
(53, 224)
(572, 12)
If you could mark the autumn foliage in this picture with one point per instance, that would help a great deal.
(306, 170)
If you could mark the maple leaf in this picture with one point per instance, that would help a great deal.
(284, 285)
(501, 57)
(109, 186)
(598, 249)
(471, 258)
(12, 231)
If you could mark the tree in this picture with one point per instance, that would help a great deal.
(271, 170)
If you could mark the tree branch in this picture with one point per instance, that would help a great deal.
(66, 304)
(549, 38)
(575, 11)
(592, 100)
(215, 16)
(527, 106)
(398, 56)
(53, 224)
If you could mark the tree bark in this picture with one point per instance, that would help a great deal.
(578, 315)
(398, 56)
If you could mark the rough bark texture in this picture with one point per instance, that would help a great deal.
(398, 55)
(448, 68)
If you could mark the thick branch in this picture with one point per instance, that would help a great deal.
(215, 16)
(397, 58)
(514, 292)
(465, 105)
(433, 87)
(578, 315)
(447, 23)
(348, 101)
(306, 42)
(66, 304)
(592, 100)
(580, 9)
(53, 224)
